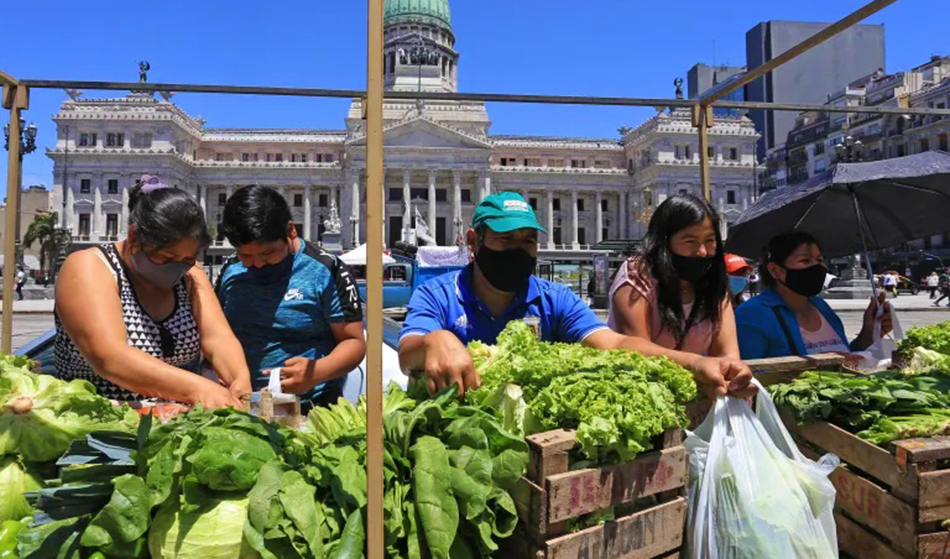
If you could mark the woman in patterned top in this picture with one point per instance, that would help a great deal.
(131, 315)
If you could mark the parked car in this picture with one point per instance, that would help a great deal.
(904, 284)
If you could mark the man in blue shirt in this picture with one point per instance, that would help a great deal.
(476, 303)
(292, 305)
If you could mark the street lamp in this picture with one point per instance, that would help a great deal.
(420, 55)
(27, 141)
(850, 150)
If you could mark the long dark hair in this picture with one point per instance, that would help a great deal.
(164, 216)
(779, 249)
(675, 214)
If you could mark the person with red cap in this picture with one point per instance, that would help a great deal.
(739, 272)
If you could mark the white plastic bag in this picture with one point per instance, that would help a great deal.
(878, 356)
(752, 494)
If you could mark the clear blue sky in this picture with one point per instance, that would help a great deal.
(569, 47)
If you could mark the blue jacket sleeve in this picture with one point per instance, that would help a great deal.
(425, 314)
(753, 331)
(576, 320)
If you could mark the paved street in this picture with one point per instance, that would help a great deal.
(28, 326)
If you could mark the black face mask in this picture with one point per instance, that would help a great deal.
(273, 272)
(691, 268)
(506, 270)
(807, 282)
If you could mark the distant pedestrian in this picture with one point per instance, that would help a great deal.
(20, 282)
(943, 284)
(890, 283)
(933, 281)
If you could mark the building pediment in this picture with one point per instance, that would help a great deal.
(422, 133)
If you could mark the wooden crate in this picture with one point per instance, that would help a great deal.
(890, 502)
(550, 496)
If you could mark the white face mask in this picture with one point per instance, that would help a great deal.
(163, 276)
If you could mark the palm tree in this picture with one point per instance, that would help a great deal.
(52, 240)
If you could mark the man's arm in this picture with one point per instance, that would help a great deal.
(441, 357)
(302, 374)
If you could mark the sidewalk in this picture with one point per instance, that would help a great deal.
(26, 306)
(904, 302)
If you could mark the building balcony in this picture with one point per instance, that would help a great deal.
(560, 170)
(211, 164)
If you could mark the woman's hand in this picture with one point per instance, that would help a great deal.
(870, 315)
(718, 376)
(213, 396)
(240, 388)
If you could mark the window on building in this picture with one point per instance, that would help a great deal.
(819, 148)
(733, 154)
(630, 165)
(603, 206)
(601, 164)
(925, 144)
(84, 139)
(222, 198)
(684, 152)
(328, 158)
(219, 157)
(821, 165)
(293, 157)
(711, 152)
(395, 195)
(245, 157)
(85, 186)
(298, 200)
(534, 203)
(581, 235)
(140, 140)
(441, 195)
(578, 163)
(505, 160)
(112, 225)
(580, 204)
(532, 162)
(418, 193)
(604, 233)
(113, 186)
(555, 162)
(466, 195)
(270, 157)
(303, 157)
(556, 204)
(901, 150)
(324, 200)
(278, 157)
(557, 235)
(730, 196)
(84, 221)
(115, 139)
(944, 140)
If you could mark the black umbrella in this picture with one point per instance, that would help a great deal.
(854, 207)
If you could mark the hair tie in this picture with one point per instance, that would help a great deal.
(151, 184)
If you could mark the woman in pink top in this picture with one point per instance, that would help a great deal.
(675, 291)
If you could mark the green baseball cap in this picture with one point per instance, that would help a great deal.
(503, 212)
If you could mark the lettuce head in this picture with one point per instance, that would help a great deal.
(215, 531)
(15, 481)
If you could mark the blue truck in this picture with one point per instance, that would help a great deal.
(409, 271)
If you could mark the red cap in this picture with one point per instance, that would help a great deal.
(734, 263)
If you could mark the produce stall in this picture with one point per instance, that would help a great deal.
(889, 430)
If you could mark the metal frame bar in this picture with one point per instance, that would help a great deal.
(16, 97)
(473, 97)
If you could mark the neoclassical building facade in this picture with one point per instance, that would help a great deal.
(440, 159)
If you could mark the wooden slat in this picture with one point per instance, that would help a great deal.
(549, 453)
(860, 543)
(573, 494)
(643, 535)
(934, 500)
(874, 506)
(532, 504)
(923, 450)
(934, 546)
(863, 455)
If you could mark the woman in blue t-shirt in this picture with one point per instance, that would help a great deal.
(789, 318)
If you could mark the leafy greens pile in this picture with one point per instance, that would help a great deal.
(880, 408)
(935, 337)
(618, 401)
(225, 485)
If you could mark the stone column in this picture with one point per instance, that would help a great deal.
(283, 191)
(203, 199)
(355, 207)
(549, 217)
(456, 206)
(406, 210)
(70, 209)
(575, 239)
(307, 203)
(97, 219)
(599, 222)
(433, 229)
(484, 185)
(124, 215)
(230, 191)
(622, 209)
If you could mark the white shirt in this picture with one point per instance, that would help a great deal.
(890, 279)
(823, 340)
(933, 281)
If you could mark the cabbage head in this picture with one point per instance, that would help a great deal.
(41, 415)
(215, 531)
(14, 482)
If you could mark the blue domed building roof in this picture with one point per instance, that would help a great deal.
(435, 12)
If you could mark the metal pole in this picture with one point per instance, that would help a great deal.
(702, 119)
(373, 107)
(809, 43)
(16, 98)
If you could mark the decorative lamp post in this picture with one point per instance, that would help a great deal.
(853, 284)
(849, 150)
(27, 141)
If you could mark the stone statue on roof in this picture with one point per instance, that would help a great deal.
(332, 223)
(144, 67)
